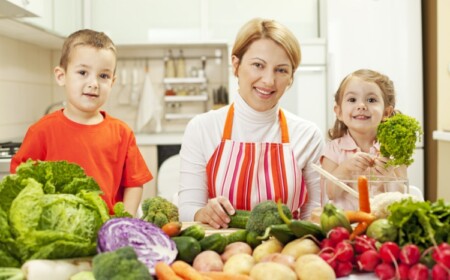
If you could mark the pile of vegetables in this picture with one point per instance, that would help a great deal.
(49, 210)
(397, 137)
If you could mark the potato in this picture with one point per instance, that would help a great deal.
(236, 248)
(313, 267)
(272, 271)
(266, 248)
(239, 264)
(208, 261)
(286, 260)
(299, 247)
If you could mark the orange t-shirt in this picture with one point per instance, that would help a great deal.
(106, 151)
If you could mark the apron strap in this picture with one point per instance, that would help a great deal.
(229, 125)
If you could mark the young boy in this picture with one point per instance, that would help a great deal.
(82, 133)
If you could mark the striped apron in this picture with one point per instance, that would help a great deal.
(249, 173)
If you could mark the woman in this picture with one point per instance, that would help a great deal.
(251, 150)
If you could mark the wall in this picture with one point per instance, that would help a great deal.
(443, 96)
(26, 82)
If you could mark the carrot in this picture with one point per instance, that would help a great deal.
(359, 216)
(358, 230)
(172, 228)
(165, 272)
(219, 275)
(186, 271)
(364, 198)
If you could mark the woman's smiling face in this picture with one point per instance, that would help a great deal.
(264, 74)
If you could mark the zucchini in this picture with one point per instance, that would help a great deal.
(302, 227)
(188, 248)
(196, 231)
(239, 219)
(237, 236)
(214, 242)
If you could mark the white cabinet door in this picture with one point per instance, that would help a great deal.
(225, 17)
(307, 96)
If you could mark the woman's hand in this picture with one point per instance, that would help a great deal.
(216, 212)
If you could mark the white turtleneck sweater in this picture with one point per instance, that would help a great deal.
(204, 133)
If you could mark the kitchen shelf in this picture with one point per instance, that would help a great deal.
(185, 98)
(441, 135)
(192, 80)
(172, 116)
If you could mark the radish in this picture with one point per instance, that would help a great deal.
(418, 272)
(442, 257)
(329, 258)
(389, 252)
(326, 243)
(343, 268)
(338, 234)
(385, 271)
(403, 270)
(344, 251)
(364, 243)
(438, 272)
(368, 260)
(410, 254)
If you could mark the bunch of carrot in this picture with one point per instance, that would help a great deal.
(180, 270)
(363, 217)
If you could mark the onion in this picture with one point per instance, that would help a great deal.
(150, 243)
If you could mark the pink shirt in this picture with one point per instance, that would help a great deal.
(340, 149)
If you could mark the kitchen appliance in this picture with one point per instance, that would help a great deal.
(385, 36)
(7, 150)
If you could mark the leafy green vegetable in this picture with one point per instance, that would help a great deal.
(119, 264)
(421, 222)
(49, 210)
(120, 212)
(398, 136)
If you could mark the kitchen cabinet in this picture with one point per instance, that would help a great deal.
(197, 20)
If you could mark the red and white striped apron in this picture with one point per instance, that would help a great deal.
(249, 173)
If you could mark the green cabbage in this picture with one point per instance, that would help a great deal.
(49, 210)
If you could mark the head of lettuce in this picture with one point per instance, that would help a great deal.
(49, 210)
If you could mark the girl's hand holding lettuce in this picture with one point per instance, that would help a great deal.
(49, 210)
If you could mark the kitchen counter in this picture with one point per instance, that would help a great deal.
(173, 138)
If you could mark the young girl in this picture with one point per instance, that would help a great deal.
(364, 99)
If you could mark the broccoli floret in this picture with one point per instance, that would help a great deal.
(159, 211)
(266, 214)
(119, 264)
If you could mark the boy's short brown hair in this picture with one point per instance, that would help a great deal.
(85, 37)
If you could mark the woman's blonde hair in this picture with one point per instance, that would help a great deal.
(85, 37)
(383, 82)
(259, 28)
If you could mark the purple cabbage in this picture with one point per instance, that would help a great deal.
(150, 243)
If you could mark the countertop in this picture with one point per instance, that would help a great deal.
(172, 138)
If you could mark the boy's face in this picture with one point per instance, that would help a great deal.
(88, 79)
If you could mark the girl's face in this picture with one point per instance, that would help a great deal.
(88, 80)
(362, 107)
(264, 74)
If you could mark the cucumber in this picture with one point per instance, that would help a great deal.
(237, 236)
(302, 227)
(239, 219)
(252, 239)
(188, 248)
(196, 231)
(215, 242)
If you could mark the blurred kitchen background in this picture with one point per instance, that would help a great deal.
(174, 63)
